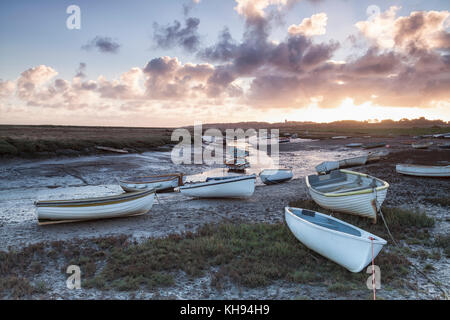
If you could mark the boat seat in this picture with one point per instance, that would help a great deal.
(333, 177)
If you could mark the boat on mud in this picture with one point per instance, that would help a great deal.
(354, 145)
(374, 145)
(421, 145)
(162, 182)
(242, 186)
(275, 176)
(341, 242)
(349, 192)
(237, 165)
(328, 166)
(122, 205)
(423, 171)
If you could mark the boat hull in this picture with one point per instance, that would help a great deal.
(275, 176)
(423, 171)
(113, 207)
(230, 188)
(157, 185)
(363, 203)
(351, 252)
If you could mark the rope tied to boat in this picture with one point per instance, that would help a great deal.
(373, 270)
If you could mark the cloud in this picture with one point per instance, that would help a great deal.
(172, 35)
(316, 25)
(423, 30)
(404, 64)
(80, 73)
(102, 44)
(6, 88)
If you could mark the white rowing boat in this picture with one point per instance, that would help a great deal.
(156, 182)
(421, 145)
(328, 166)
(423, 171)
(126, 204)
(348, 191)
(341, 242)
(221, 187)
(274, 176)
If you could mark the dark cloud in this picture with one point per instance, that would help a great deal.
(175, 35)
(80, 73)
(223, 50)
(102, 44)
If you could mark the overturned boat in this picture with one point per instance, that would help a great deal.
(423, 171)
(157, 182)
(242, 186)
(274, 176)
(123, 205)
(348, 191)
(341, 242)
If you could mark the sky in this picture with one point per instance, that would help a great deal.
(174, 63)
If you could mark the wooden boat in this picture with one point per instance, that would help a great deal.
(348, 191)
(374, 145)
(237, 164)
(341, 242)
(445, 146)
(422, 145)
(157, 182)
(423, 171)
(274, 176)
(123, 205)
(242, 186)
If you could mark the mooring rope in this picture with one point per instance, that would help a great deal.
(373, 271)
(398, 246)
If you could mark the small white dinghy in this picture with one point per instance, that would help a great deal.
(123, 205)
(341, 242)
(422, 145)
(349, 192)
(156, 182)
(221, 187)
(423, 171)
(274, 176)
(328, 166)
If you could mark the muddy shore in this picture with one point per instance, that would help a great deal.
(24, 181)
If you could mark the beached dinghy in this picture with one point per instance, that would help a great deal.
(126, 204)
(237, 164)
(328, 166)
(348, 191)
(341, 242)
(157, 182)
(421, 145)
(221, 187)
(354, 145)
(274, 176)
(423, 171)
(374, 145)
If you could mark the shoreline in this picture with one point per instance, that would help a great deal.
(176, 214)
